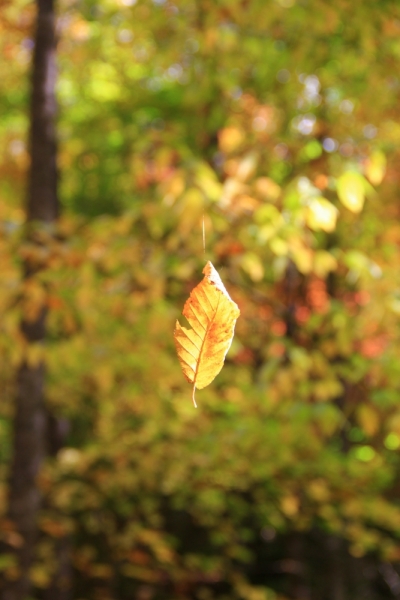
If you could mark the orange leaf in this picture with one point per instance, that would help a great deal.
(212, 316)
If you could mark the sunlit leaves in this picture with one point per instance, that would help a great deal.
(230, 139)
(252, 265)
(375, 167)
(324, 263)
(321, 214)
(351, 191)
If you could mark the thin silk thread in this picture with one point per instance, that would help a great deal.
(204, 237)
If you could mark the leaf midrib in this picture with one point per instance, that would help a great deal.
(205, 338)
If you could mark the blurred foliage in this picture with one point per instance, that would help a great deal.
(278, 121)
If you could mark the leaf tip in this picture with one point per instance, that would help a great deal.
(208, 269)
(212, 275)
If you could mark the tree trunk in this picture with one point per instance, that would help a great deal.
(29, 441)
(42, 188)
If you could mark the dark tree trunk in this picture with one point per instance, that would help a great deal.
(30, 421)
(42, 188)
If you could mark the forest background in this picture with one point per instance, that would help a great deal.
(278, 122)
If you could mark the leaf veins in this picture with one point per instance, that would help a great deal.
(212, 315)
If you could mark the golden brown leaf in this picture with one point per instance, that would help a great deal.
(212, 315)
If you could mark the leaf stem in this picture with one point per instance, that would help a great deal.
(193, 398)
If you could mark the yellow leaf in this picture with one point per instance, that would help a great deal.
(230, 138)
(279, 246)
(375, 167)
(252, 264)
(321, 214)
(208, 182)
(290, 505)
(324, 262)
(351, 191)
(302, 256)
(267, 188)
(232, 188)
(212, 316)
(103, 83)
(247, 166)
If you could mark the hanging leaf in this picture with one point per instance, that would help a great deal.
(212, 316)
